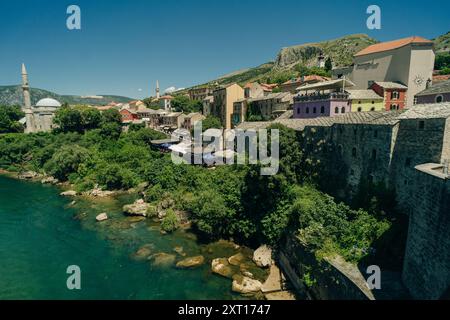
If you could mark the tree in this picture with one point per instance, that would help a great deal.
(111, 116)
(328, 64)
(69, 120)
(91, 118)
(182, 103)
(9, 119)
(66, 161)
(211, 122)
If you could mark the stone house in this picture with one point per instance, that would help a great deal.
(437, 93)
(365, 100)
(394, 94)
(224, 99)
(191, 119)
(324, 99)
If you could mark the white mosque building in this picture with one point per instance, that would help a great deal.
(38, 118)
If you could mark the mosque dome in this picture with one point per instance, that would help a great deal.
(48, 102)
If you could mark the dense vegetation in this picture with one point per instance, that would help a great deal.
(230, 201)
(443, 63)
(9, 119)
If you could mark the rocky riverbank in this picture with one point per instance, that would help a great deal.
(251, 273)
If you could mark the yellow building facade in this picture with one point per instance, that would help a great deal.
(365, 101)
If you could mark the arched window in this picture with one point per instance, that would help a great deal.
(336, 110)
(439, 99)
(298, 110)
(315, 110)
(343, 110)
(322, 109)
(359, 109)
(307, 109)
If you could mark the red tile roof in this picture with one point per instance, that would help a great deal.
(391, 45)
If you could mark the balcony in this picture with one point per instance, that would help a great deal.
(319, 97)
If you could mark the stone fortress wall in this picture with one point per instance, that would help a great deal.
(389, 148)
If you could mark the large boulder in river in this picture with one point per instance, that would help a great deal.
(101, 217)
(143, 252)
(162, 259)
(49, 180)
(237, 259)
(191, 262)
(28, 175)
(263, 256)
(70, 193)
(222, 267)
(246, 285)
(138, 208)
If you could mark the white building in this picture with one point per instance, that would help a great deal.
(409, 61)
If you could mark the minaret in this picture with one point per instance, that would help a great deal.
(157, 90)
(27, 101)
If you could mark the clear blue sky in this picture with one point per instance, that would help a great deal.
(125, 46)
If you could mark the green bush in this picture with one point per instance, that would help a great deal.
(170, 222)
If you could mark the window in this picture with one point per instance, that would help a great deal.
(359, 109)
(354, 152)
(359, 102)
(298, 110)
(343, 110)
(375, 134)
(439, 99)
(395, 95)
(373, 102)
(372, 109)
(315, 110)
(322, 109)
(421, 125)
(336, 110)
(307, 110)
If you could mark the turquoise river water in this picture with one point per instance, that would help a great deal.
(41, 235)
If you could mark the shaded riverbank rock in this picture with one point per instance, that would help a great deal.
(101, 217)
(143, 252)
(245, 285)
(28, 175)
(138, 208)
(49, 180)
(191, 262)
(99, 193)
(237, 259)
(222, 267)
(69, 193)
(162, 259)
(263, 256)
(180, 251)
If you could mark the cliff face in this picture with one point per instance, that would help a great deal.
(340, 51)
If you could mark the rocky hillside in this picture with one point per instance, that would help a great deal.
(340, 51)
(12, 95)
(442, 43)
